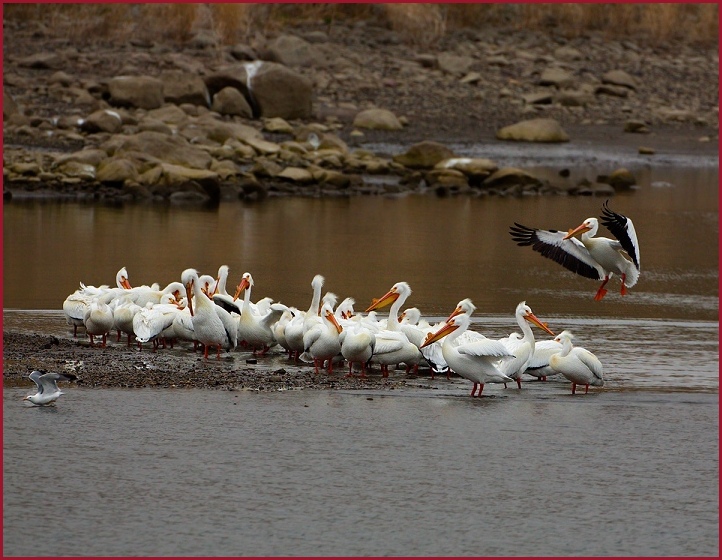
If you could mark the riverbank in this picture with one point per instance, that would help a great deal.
(151, 121)
(120, 366)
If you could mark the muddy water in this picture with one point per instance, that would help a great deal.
(628, 470)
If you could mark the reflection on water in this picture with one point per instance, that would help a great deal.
(447, 249)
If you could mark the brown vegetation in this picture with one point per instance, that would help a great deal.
(422, 24)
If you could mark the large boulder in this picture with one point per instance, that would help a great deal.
(279, 91)
(184, 87)
(293, 51)
(144, 92)
(534, 130)
(169, 149)
(102, 121)
(424, 155)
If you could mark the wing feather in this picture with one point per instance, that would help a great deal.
(487, 347)
(570, 253)
(623, 229)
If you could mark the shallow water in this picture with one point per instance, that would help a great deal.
(417, 472)
(631, 469)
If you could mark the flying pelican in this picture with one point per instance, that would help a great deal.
(321, 341)
(207, 325)
(578, 365)
(593, 257)
(48, 391)
(392, 345)
(474, 361)
(521, 348)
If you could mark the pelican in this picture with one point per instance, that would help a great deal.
(48, 391)
(357, 345)
(207, 325)
(474, 361)
(578, 365)
(416, 329)
(539, 365)
(321, 341)
(255, 329)
(152, 320)
(392, 345)
(295, 328)
(522, 348)
(76, 304)
(123, 313)
(593, 257)
(98, 320)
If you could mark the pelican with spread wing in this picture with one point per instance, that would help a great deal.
(598, 258)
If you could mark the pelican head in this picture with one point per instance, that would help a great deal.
(590, 225)
(397, 290)
(245, 283)
(464, 306)
(525, 311)
(447, 328)
(121, 279)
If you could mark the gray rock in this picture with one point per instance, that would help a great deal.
(379, 119)
(9, 105)
(534, 130)
(169, 149)
(41, 61)
(454, 64)
(608, 89)
(619, 78)
(557, 77)
(143, 92)
(117, 170)
(510, 176)
(567, 54)
(183, 87)
(424, 155)
(243, 52)
(573, 98)
(230, 101)
(281, 92)
(293, 51)
(156, 125)
(102, 121)
(637, 126)
(169, 114)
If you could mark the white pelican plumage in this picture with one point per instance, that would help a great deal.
(539, 365)
(296, 326)
(321, 341)
(123, 313)
(152, 320)
(392, 345)
(76, 304)
(577, 364)
(256, 329)
(48, 391)
(592, 257)
(357, 345)
(207, 325)
(98, 320)
(522, 348)
(475, 361)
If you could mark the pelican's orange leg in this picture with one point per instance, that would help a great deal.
(601, 291)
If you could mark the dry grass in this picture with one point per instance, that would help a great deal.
(420, 24)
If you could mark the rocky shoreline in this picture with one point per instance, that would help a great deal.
(289, 115)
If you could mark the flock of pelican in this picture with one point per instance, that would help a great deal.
(198, 309)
